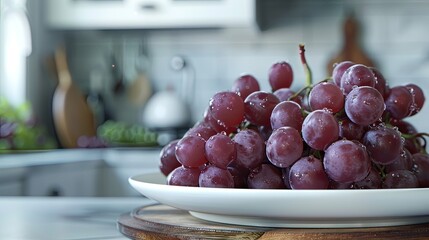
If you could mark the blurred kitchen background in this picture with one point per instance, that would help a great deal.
(130, 58)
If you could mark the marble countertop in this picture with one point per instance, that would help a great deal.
(68, 218)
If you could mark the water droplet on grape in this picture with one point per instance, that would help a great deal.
(413, 108)
(328, 110)
(403, 153)
(415, 168)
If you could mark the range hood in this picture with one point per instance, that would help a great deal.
(150, 14)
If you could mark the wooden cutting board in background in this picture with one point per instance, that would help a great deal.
(351, 49)
(72, 116)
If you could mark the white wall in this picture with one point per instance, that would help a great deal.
(394, 34)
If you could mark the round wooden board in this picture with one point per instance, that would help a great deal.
(164, 222)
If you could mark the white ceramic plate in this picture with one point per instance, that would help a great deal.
(291, 208)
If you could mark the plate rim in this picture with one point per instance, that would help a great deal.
(190, 198)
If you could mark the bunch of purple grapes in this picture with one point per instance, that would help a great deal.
(346, 132)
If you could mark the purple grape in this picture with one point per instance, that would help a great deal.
(284, 147)
(380, 83)
(183, 176)
(419, 98)
(227, 108)
(308, 173)
(245, 85)
(202, 130)
(258, 107)
(280, 75)
(364, 105)
(190, 151)
(350, 130)
(403, 162)
(7, 129)
(168, 160)
(399, 102)
(319, 129)
(346, 161)
(357, 75)
(265, 176)
(383, 144)
(285, 94)
(411, 144)
(215, 177)
(339, 70)
(265, 132)
(285, 177)
(400, 179)
(90, 142)
(220, 150)
(326, 95)
(372, 181)
(239, 175)
(216, 125)
(287, 113)
(404, 126)
(250, 149)
(337, 185)
(421, 169)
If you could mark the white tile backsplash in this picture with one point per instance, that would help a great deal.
(393, 34)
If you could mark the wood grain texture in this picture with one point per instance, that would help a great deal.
(351, 50)
(72, 115)
(163, 222)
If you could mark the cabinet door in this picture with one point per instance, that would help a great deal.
(73, 179)
(13, 188)
(11, 181)
(147, 14)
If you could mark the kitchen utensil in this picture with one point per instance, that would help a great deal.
(168, 108)
(72, 116)
(117, 69)
(164, 222)
(180, 64)
(351, 50)
(140, 89)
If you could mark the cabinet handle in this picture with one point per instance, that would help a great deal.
(149, 7)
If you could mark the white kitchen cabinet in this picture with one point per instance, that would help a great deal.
(68, 179)
(13, 188)
(119, 165)
(75, 172)
(11, 181)
(150, 14)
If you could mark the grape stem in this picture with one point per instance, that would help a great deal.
(387, 118)
(381, 170)
(327, 79)
(300, 91)
(415, 136)
(318, 155)
(341, 113)
(307, 70)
